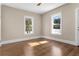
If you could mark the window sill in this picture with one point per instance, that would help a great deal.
(28, 33)
(56, 33)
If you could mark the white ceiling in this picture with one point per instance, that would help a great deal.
(44, 7)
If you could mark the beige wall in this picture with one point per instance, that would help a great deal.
(13, 23)
(68, 16)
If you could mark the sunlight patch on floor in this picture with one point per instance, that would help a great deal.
(56, 51)
(32, 44)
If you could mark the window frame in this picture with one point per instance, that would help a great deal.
(32, 19)
(52, 21)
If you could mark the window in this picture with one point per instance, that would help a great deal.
(56, 23)
(28, 25)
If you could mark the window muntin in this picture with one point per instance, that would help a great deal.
(28, 25)
(56, 23)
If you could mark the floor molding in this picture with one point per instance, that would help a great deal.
(61, 40)
(18, 40)
(52, 38)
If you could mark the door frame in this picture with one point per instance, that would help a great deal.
(0, 24)
(76, 18)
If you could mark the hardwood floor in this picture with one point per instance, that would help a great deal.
(39, 47)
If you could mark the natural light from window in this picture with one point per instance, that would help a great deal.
(56, 23)
(28, 25)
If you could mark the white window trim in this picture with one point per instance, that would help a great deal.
(59, 14)
(76, 26)
(32, 25)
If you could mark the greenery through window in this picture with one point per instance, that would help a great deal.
(28, 25)
(56, 23)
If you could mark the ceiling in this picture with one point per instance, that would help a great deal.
(44, 7)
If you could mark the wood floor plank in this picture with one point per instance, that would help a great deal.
(39, 47)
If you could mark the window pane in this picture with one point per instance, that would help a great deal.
(56, 26)
(56, 20)
(28, 24)
(56, 23)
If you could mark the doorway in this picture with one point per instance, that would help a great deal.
(77, 26)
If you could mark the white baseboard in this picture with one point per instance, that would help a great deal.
(51, 38)
(61, 40)
(18, 40)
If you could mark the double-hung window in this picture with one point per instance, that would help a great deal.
(28, 25)
(56, 21)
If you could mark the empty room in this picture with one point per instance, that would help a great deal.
(39, 29)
